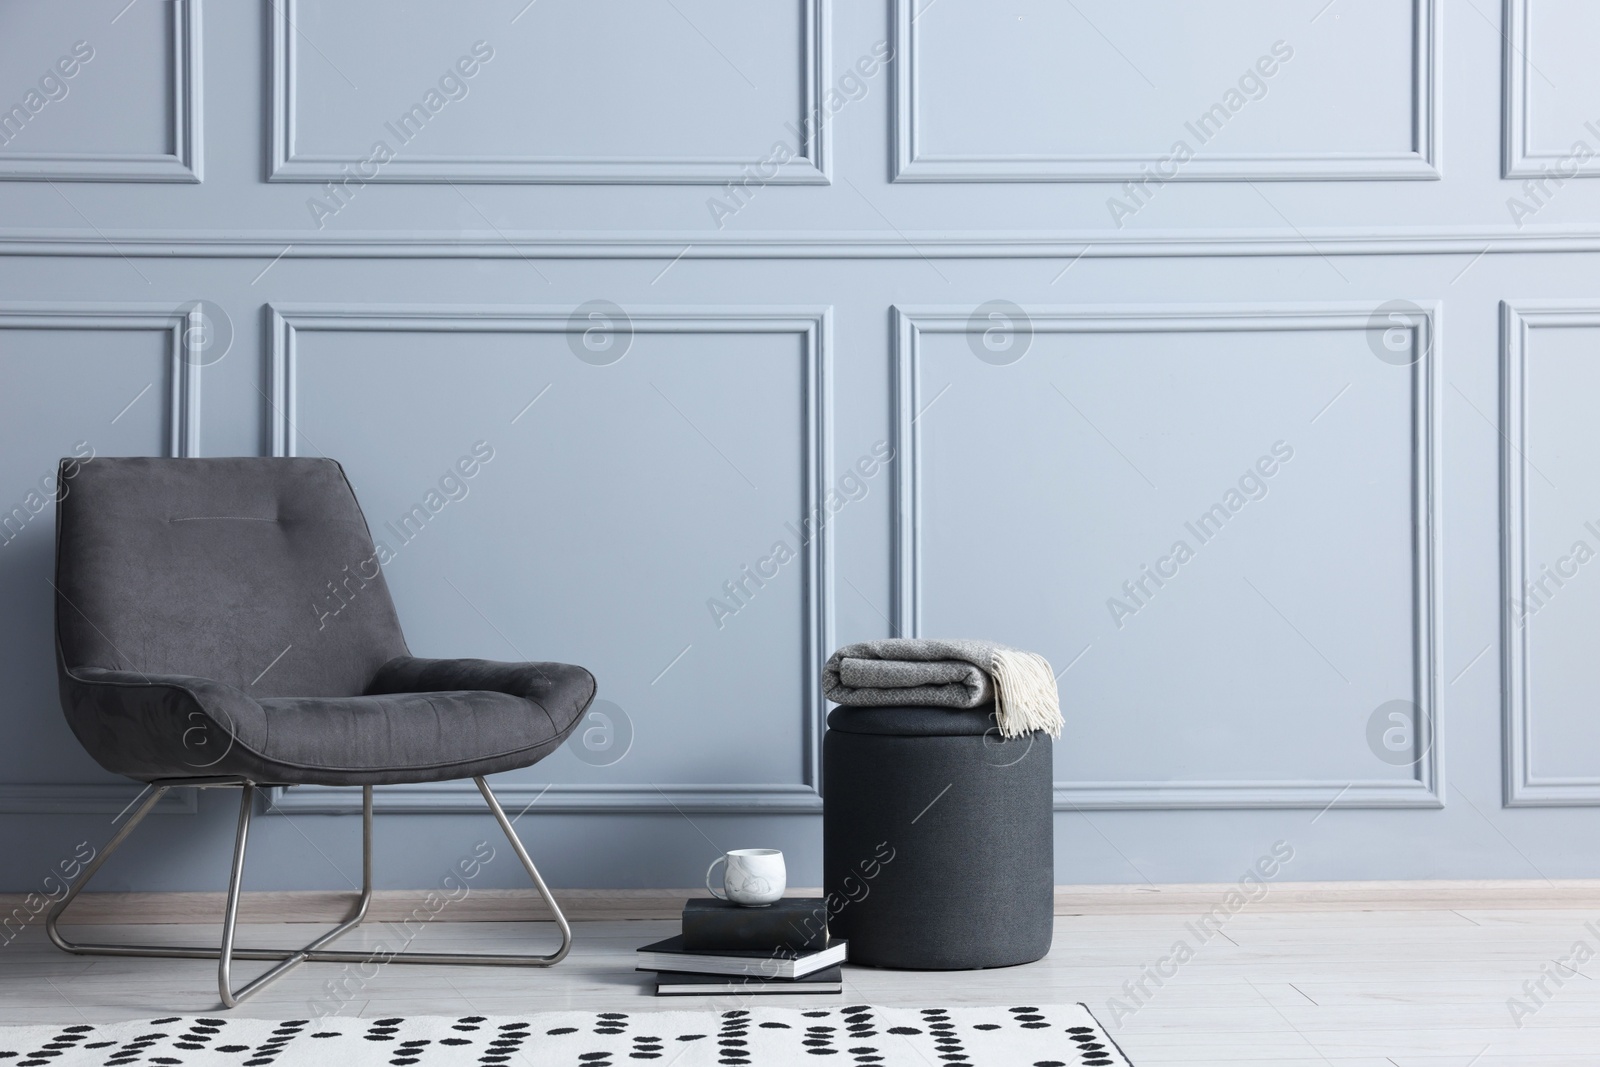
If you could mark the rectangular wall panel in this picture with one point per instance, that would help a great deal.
(102, 90)
(1148, 93)
(1551, 606)
(130, 393)
(1292, 464)
(631, 92)
(1552, 91)
(591, 419)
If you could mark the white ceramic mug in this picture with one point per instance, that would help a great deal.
(754, 878)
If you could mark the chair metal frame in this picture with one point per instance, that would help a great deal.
(287, 959)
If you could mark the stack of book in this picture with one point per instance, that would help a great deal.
(725, 948)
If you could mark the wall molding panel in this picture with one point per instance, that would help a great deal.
(1519, 160)
(183, 164)
(87, 798)
(711, 245)
(1523, 788)
(183, 367)
(753, 799)
(183, 439)
(911, 164)
(814, 326)
(1426, 790)
(810, 167)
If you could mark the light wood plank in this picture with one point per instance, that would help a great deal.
(1357, 984)
(511, 905)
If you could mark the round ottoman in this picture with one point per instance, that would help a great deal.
(937, 839)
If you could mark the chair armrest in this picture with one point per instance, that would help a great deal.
(153, 726)
(531, 681)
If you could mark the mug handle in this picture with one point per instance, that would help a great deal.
(713, 892)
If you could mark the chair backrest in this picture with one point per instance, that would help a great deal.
(259, 573)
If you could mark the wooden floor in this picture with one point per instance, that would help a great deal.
(1376, 988)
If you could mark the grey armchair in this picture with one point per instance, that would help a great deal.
(225, 623)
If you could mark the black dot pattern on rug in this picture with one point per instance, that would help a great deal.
(646, 1048)
(732, 1044)
(859, 1035)
(199, 1035)
(819, 1038)
(285, 1032)
(1029, 1018)
(1092, 1051)
(409, 1052)
(859, 1021)
(382, 1030)
(132, 1051)
(47, 1052)
(506, 1043)
(859, 1025)
(951, 1049)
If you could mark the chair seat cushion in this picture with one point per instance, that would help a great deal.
(413, 725)
(410, 737)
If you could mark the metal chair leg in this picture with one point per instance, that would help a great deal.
(287, 959)
(230, 913)
(533, 873)
(225, 956)
(54, 916)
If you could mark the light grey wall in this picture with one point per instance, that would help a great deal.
(1329, 313)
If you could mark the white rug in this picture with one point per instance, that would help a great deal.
(1024, 1036)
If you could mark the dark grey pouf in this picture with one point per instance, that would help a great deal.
(938, 843)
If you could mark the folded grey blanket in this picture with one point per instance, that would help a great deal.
(948, 674)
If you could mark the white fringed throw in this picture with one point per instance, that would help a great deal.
(948, 674)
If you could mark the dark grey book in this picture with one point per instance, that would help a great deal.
(799, 924)
(670, 955)
(684, 984)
